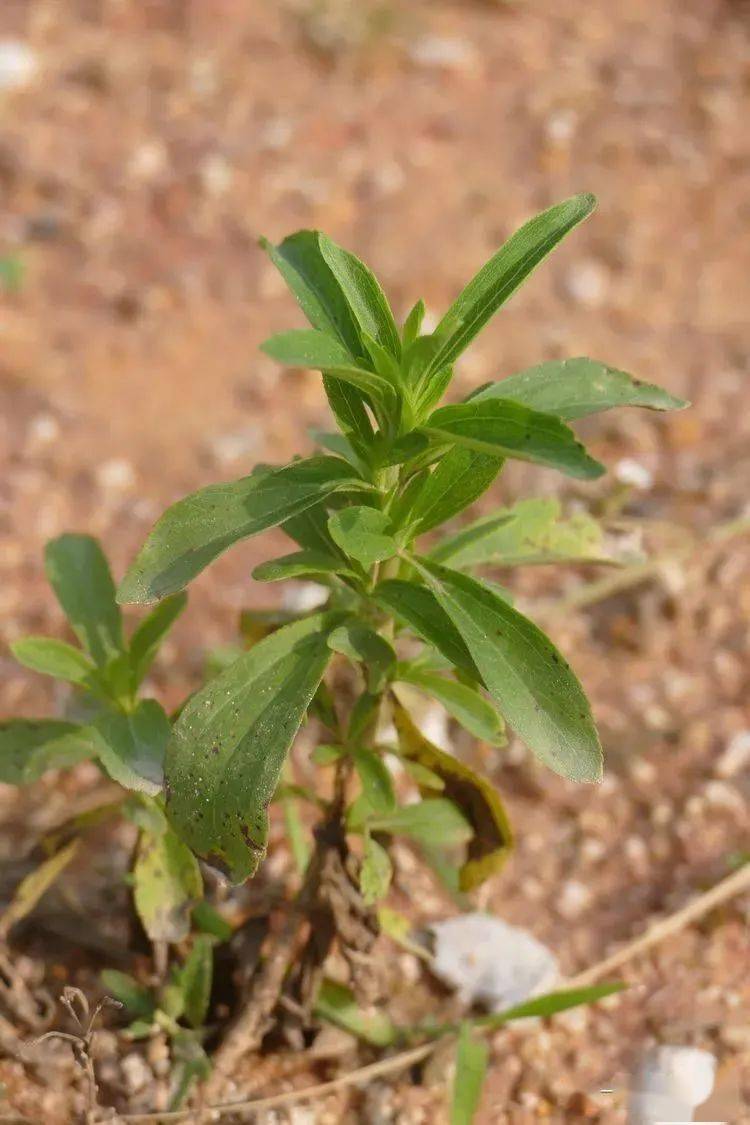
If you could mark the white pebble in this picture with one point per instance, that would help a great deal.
(574, 898)
(488, 961)
(724, 796)
(443, 53)
(301, 597)
(43, 429)
(136, 1072)
(736, 757)
(18, 64)
(634, 473)
(669, 1083)
(587, 283)
(116, 475)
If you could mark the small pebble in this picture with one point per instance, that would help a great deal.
(736, 758)
(629, 471)
(574, 898)
(18, 64)
(136, 1073)
(440, 52)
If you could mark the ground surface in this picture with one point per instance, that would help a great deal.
(138, 167)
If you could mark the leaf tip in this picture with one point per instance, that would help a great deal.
(587, 202)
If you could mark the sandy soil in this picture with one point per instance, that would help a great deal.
(138, 167)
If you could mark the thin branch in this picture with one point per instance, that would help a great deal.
(728, 888)
(732, 885)
(618, 581)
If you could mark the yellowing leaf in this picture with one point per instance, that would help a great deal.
(473, 794)
(30, 890)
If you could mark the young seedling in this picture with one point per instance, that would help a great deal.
(405, 609)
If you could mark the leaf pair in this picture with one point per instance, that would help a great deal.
(128, 738)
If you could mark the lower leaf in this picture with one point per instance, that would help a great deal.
(229, 744)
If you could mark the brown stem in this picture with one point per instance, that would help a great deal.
(248, 1030)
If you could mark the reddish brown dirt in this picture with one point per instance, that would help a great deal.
(137, 169)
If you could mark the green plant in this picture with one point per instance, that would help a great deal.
(402, 610)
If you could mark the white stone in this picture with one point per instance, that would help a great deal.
(725, 796)
(669, 1083)
(574, 898)
(561, 125)
(116, 475)
(736, 757)
(587, 283)
(136, 1072)
(301, 597)
(44, 429)
(433, 723)
(148, 161)
(634, 473)
(18, 64)
(216, 174)
(443, 53)
(490, 962)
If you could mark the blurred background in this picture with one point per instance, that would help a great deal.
(144, 147)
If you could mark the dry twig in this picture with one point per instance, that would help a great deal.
(727, 889)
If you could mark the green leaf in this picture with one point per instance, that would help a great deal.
(464, 703)
(29, 747)
(375, 873)
(533, 686)
(149, 634)
(144, 812)
(575, 388)
(507, 429)
(80, 576)
(504, 273)
(478, 800)
(403, 449)
(196, 530)
(310, 531)
(347, 404)
(377, 784)
(190, 1064)
(472, 1055)
(363, 645)
(229, 744)
(336, 1004)
(413, 324)
(300, 564)
(166, 885)
(433, 821)
(363, 294)
(30, 890)
(54, 658)
(301, 263)
(363, 718)
(460, 477)
(531, 532)
(195, 980)
(209, 921)
(131, 746)
(295, 832)
(135, 997)
(417, 607)
(309, 348)
(325, 754)
(550, 1004)
(361, 533)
